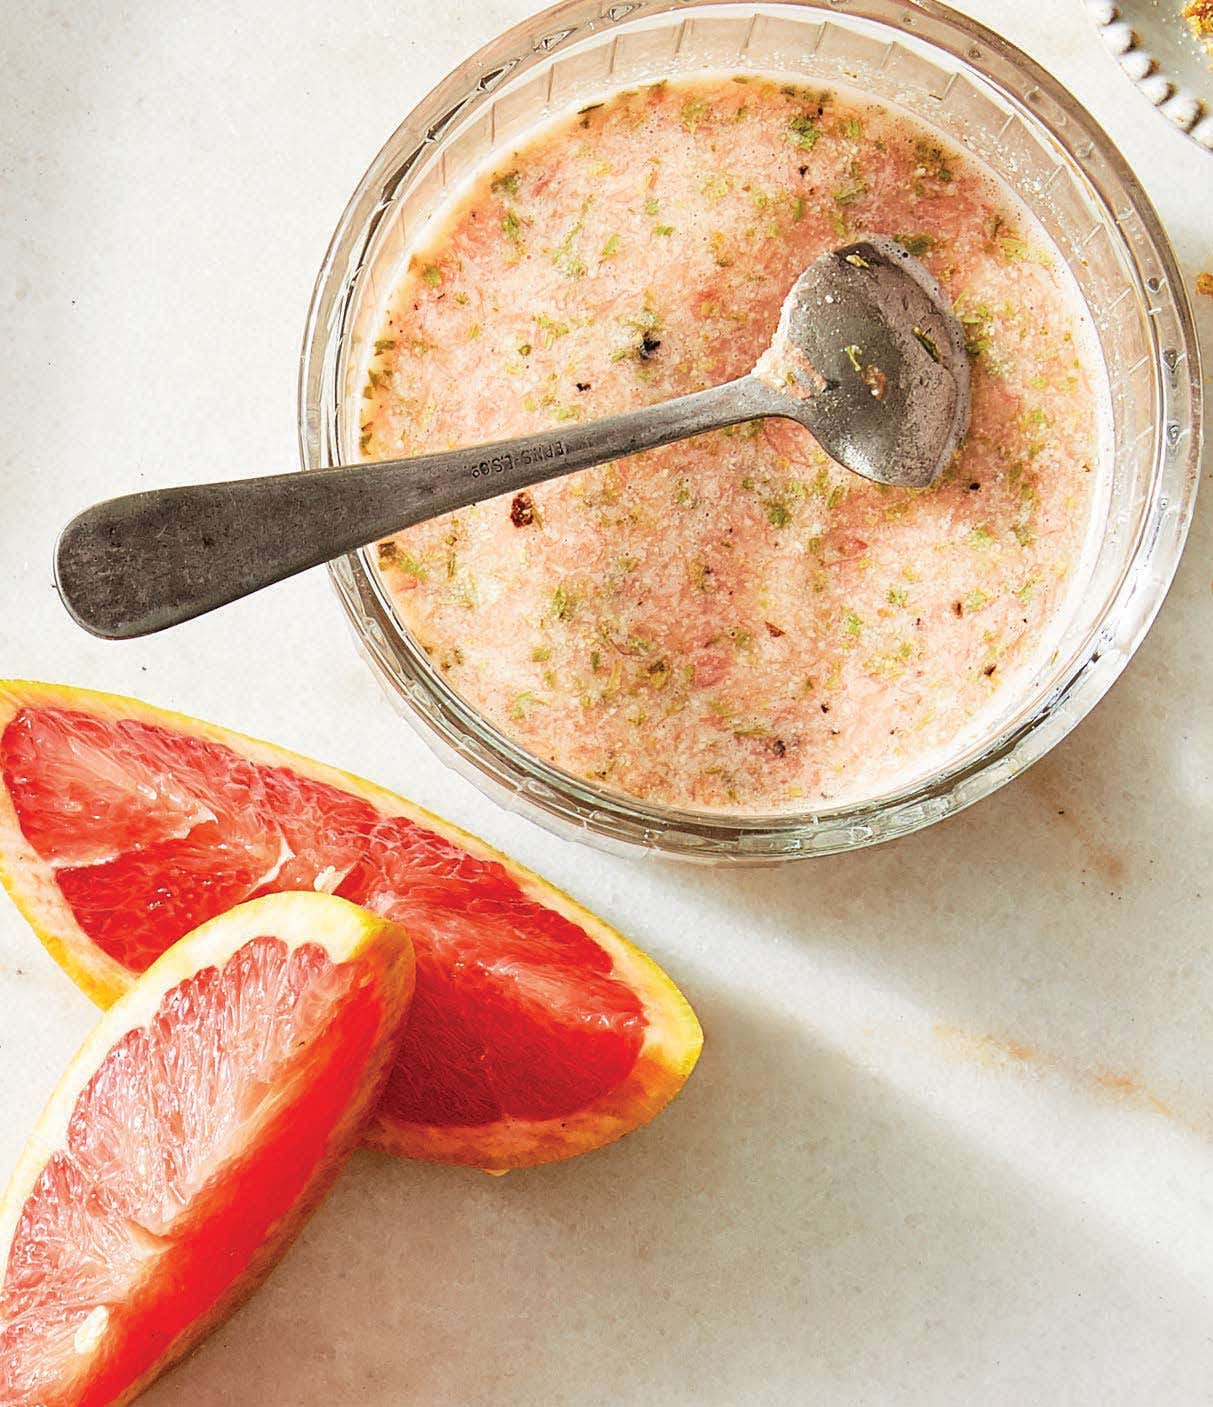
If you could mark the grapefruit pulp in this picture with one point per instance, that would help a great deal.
(195, 1129)
(536, 1031)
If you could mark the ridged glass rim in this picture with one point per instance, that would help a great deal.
(571, 806)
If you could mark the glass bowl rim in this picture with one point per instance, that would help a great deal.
(568, 804)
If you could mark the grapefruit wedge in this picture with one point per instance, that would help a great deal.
(196, 1128)
(536, 1031)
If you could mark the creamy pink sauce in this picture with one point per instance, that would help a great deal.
(733, 622)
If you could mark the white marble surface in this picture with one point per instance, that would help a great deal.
(951, 1138)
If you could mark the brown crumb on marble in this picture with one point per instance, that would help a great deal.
(1199, 15)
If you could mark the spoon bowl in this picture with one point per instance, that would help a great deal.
(872, 360)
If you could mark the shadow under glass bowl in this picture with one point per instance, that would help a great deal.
(984, 96)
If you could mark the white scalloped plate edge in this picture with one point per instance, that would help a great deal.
(1173, 98)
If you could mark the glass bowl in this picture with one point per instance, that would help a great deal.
(986, 97)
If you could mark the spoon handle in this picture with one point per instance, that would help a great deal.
(141, 563)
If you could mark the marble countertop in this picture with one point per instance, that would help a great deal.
(951, 1138)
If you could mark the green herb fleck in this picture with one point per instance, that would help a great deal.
(463, 590)
(551, 328)
(804, 132)
(694, 110)
(564, 603)
(928, 343)
(700, 575)
(933, 162)
(850, 191)
(658, 673)
(565, 258)
(916, 244)
(410, 565)
(610, 247)
(1016, 250)
(505, 184)
(898, 596)
(385, 344)
(853, 354)
(511, 227)
(778, 513)
(851, 623)
(524, 702)
(752, 730)
(432, 274)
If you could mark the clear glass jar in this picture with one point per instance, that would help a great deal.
(986, 97)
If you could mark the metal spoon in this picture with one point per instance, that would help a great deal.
(867, 355)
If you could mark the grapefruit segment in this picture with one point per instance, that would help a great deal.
(536, 1032)
(196, 1128)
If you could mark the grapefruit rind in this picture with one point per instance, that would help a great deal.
(673, 1036)
(347, 933)
(672, 1043)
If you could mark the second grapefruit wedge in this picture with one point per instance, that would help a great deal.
(536, 1032)
(196, 1128)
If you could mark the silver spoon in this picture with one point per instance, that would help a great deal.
(867, 355)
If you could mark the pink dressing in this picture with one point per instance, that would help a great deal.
(734, 621)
